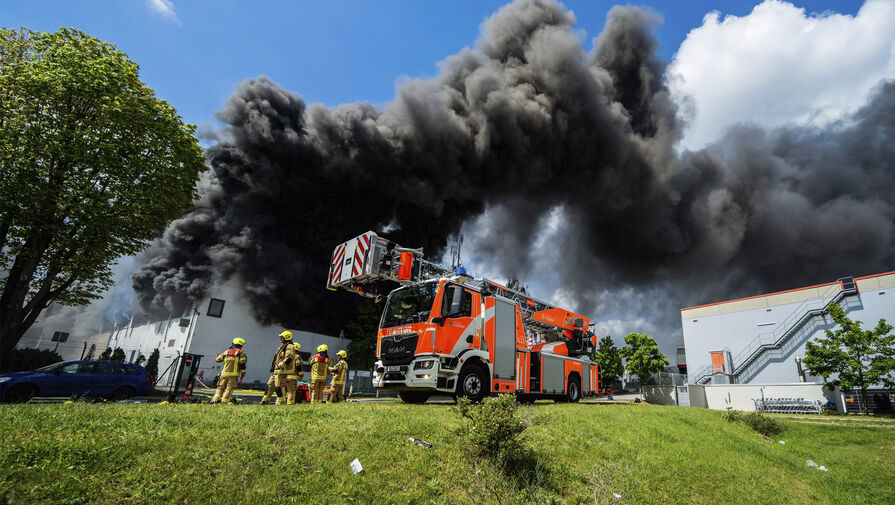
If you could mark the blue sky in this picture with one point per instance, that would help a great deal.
(329, 51)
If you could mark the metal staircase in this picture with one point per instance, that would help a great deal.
(796, 321)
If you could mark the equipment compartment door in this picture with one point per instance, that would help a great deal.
(504, 339)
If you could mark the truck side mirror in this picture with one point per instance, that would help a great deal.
(438, 321)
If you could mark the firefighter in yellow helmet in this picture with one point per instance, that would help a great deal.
(233, 370)
(319, 364)
(281, 366)
(339, 371)
(296, 375)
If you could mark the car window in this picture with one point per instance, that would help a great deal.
(105, 368)
(131, 370)
(77, 368)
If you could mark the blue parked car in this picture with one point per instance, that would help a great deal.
(109, 379)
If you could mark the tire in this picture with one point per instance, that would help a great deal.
(472, 383)
(123, 393)
(414, 396)
(20, 393)
(573, 390)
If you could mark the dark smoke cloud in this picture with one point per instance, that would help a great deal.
(525, 126)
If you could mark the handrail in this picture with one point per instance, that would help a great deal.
(806, 311)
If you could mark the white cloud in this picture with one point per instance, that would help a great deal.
(163, 7)
(781, 65)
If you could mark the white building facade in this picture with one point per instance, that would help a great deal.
(761, 339)
(206, 329)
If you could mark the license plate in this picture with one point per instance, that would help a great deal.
(393, 369)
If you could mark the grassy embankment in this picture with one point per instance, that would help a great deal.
(119, 453)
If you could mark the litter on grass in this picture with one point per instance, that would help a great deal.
(812, 463)
(783, 442)
(420, 443)
(355, 466)
(617, 496)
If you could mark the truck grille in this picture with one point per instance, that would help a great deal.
(398, 349)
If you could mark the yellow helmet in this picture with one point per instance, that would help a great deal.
(342, 353)
(239, 341)
(322, 348)
(296, 345)
(287, 335)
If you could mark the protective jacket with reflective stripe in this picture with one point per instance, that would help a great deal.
(284, 359)
(339, 371)
(319, 364)
(234, 360)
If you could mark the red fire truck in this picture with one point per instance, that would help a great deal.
(445, 332)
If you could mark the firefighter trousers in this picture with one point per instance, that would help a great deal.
(226, 385)
(317, 390)
(271, 389)
(335, 392)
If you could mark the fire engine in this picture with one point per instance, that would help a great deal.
(444, 332)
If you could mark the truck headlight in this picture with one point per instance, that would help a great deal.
(424, 365)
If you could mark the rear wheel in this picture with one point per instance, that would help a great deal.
(414, 396)
(573, 391)
(123, 393)
(20, 393)
(472, 383)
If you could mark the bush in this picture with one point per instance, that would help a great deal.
(23, 360)
(152, 364)
(767, 426)
(494, 429)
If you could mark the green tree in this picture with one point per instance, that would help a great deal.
(106, 355)
(609, 358)
(362, 330)
(92, 166)
(852, 358)
(90, 352)
(642, 356)
(152, 363)
(118, 355)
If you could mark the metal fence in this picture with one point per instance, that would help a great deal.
(788, 406)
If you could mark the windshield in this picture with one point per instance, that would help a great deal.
(50, 368)
(409, 305)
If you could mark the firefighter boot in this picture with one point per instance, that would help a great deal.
(219, 391)
(281, 400)
(317, 391)
(269, 392)
(291, 385)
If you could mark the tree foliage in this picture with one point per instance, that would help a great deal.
(642, 356)
(90, 352)
(609, 358)
(117, 355)
(152, 363)
(22, 360)
(92, 166)
(852, 358)
(362, 330)
(106, 355)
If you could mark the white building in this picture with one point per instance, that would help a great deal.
(206, 329)
(761, 339)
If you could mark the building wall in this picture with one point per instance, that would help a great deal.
(734, 325)
(742, 396)
(215, 334)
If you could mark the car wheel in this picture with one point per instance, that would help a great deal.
(573, 391)
(472, 383)
(20, 393)
(123, 393)
(525, 399)
(414, 396)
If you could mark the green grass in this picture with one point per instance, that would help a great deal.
(120, 453)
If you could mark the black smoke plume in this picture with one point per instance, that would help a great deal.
(524, 126)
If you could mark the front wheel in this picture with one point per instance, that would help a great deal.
(21, 393)
(414, 396)
(472, 384)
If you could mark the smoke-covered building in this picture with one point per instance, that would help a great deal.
(761, 339)
(206, 328)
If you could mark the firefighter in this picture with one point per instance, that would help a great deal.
(319, 363)
(277, 382)
(339, 371)
(296, 375)
(234, 360)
